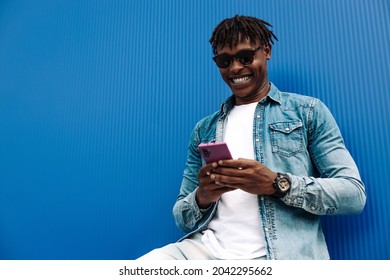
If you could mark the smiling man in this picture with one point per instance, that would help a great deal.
(289, 166)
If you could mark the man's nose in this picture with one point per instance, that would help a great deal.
(236, 66)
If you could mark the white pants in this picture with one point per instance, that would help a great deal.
(191, 248)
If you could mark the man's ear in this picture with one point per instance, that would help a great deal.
(267, 51)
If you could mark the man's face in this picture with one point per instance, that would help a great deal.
(249, 83)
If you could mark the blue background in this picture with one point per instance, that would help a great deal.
(98, 100)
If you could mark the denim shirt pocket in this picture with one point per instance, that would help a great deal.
(286, 138)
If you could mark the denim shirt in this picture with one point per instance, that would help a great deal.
(292, 134)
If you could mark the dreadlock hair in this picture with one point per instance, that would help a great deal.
(231, 30)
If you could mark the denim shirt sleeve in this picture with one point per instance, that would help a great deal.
(339, 190)
(187, 214)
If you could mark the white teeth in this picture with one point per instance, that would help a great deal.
(240, 80)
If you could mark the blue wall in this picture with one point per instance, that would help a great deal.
(98, 99)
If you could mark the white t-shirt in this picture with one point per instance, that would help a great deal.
(235, 231)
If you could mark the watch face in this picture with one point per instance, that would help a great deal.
(284, 184)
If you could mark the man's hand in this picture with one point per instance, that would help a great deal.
(208, 191)
(248, 175)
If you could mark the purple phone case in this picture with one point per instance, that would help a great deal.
(212, 152)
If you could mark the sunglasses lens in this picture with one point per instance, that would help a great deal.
(223, 61)
(245, 57)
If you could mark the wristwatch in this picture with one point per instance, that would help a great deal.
(282, 185)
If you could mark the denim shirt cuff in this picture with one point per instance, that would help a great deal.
(198, 212)
(296, 195)
(191, 198)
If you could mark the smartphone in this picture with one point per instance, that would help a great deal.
(214, 151)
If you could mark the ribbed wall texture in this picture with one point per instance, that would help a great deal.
(98, 99)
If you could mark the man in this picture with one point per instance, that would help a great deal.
(290, 164)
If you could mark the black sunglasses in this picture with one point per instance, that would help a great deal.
(245, 57)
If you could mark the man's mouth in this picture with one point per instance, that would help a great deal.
(240, 80)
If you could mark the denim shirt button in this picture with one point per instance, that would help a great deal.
(331, 210)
